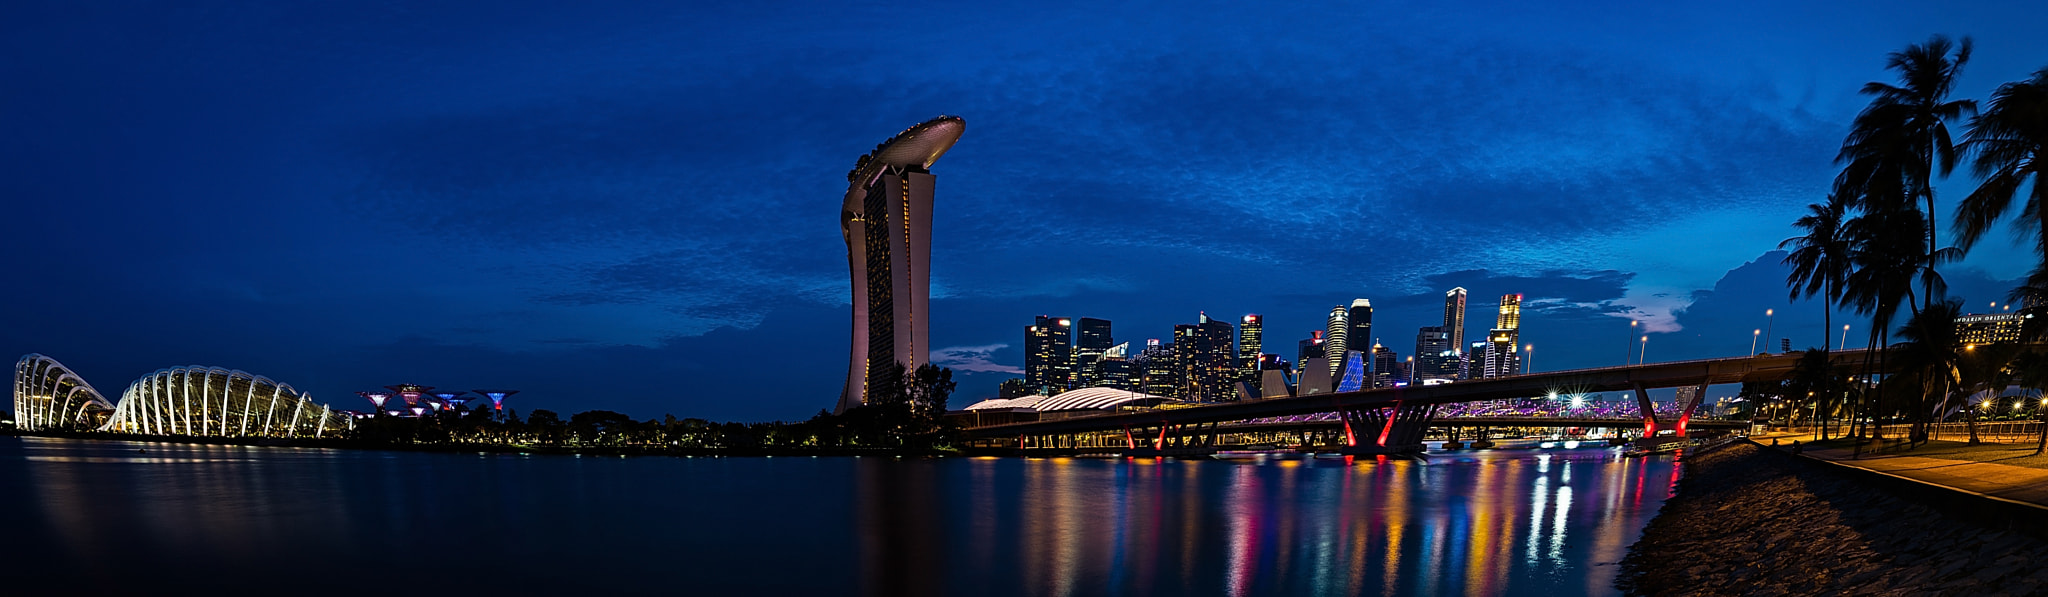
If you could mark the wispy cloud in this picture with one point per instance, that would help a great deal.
(975, 359)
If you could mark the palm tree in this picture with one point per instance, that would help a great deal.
(1902, 137)
(2009, 141)
(1930, 346)
(1820, 257)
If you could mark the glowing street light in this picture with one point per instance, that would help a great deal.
(1530, 360)
(1643, 358)
(1631, 340)
(1768, 319)
(1752, 340)
(1845, 338)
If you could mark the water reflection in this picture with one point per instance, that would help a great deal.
(100, 517)
(1490, 524)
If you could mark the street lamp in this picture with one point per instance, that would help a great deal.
(1631, 339)
(1530, 360)
(1411, 370)
(1767, 327)
(1845, 338)
(1752, 341)
(1642, 358)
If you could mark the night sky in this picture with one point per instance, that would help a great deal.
(635, 207)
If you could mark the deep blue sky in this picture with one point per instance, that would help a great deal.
(634, 207)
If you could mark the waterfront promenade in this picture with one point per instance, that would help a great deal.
(1752, 520)
(1940, 465)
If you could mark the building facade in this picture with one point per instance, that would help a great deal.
(1995, 328)
(1334, 337)
(1454, 317)
(1048, 354)
(1251, 334)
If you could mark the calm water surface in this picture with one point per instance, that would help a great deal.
(104, 518)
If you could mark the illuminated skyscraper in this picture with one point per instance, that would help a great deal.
(1503, 342)
(1454, 317)
(1385, 370)
(886, 219)
(1159, 371)
(1089, 346)
(1435, 357)
(1250, 342)
(1334, 337)
(1048, 355)
(1310, 348)
(1359, 318)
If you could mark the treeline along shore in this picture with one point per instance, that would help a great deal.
(1751, 520)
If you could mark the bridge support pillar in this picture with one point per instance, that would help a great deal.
(1382, 430)
(1685, 413)
(1649, 411)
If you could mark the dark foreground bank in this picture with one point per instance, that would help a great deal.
(1750, 521)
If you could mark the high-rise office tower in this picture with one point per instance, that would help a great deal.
(1250, 342)
(1334, 343)
(1113, 368)
(1434, 356)
(886, 219)
(1216, 356)
(1158, 370)
(1048, 354)
(1385, 372)
(1503, 342)
(1359, 335)
(1188, 356)
(1094, 338)
(1454, 317)
(1310, 348)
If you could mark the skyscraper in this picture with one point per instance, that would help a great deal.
(1454, 317)
(1309, 348)
(1048, 354)
(1158, 370)
(886, 219)
(1334, 343)
(1088, 349)
(1360, 335)
(1250, 342)
(1503, 342)
(1216, 354)
(1384, 369)
(1434, 356)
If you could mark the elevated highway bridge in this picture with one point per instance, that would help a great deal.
(1392, 420)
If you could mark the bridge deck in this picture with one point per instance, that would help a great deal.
(1602, 379)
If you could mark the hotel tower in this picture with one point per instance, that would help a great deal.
(887, 222)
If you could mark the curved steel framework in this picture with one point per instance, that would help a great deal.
(49, 397)
(213, 401)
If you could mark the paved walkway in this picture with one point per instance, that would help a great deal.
(2017, 483)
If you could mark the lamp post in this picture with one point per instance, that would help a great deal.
(1411, 370)
(1845, 338)
(1530, 360)
(1768, 313)
(1644, 357)
(1631, 340)
(1752, 341)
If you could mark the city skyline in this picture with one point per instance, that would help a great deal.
(630, 201)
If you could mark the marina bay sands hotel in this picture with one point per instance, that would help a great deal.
(887, 222)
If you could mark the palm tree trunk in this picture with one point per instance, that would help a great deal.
(1827, 318)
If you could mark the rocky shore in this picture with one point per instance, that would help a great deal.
(1750, 522)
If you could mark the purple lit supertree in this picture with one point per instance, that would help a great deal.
(376, 398)
(410, 392)
(497, 396)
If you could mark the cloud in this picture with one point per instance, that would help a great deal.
(973, 359)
